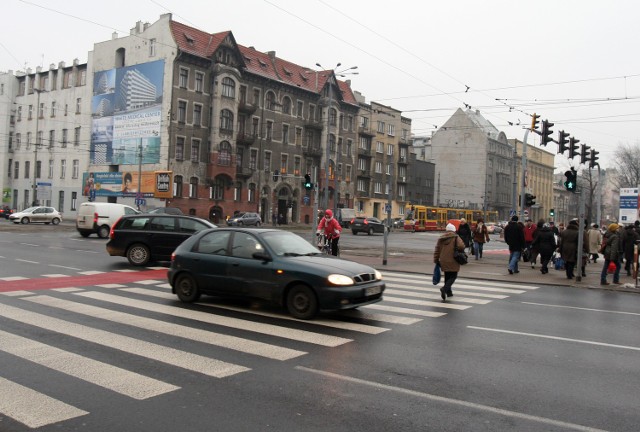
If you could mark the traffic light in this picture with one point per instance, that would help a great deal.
(562, 142)
(572, 180)
(307, 182)
(535, 119)
(594, 158)
(573, 147)
(276, 173)
(529, 199)
(545, 134)
(584, 153)
(552, 212)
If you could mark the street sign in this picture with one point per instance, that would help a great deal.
(387, 208)
(306, 200)
(512, 213)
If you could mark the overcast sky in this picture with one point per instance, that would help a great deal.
(576, 63)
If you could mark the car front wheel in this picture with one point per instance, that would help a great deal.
(138, 254)
(187, 289)
(370, 232)
(302, 302)
(24, 220)
(55, 221)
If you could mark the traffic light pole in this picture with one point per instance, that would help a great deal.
(581, 227)
(523, 184)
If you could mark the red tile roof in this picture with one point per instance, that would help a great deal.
(203, 44)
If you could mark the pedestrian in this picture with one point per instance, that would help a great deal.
(331, 228)
(554, 228)
(274, 218)
(514, 238)
(529, 232)
(464, 231)
(629, 239)
(611, 253)
(636, 226)
(585, 249)
(534, 250)
(560, 228)
(480, 237)
(594, 240)
(568, 247)
(443, 254)
(545, 244)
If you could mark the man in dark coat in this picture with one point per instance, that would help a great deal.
(629, 239)
(464, 231)
(611, 254)
(545, 244)
(514, 237)
(568, 247)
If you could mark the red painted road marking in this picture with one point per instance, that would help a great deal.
(83, 280)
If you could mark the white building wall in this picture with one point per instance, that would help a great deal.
(8, 90)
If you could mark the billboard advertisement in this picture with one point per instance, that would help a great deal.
(629, 205)
(126, 111)
(150, 184)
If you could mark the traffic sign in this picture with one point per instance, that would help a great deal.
(512, 213)
(387, 208)
(306, 200)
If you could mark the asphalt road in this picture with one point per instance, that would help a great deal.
(109, 348)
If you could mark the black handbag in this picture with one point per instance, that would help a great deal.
(460, 257)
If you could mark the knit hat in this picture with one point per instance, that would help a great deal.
(613, 227)
(451, 227)
(514, 218)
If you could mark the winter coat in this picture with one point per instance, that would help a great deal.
(330, 227)
(514, 237)
(594, 240)
(568, 245)
(612, 249)
(464, 231)
(444, 251)
(481, 234)
(530, 233)
(545, 242)
(629, 238)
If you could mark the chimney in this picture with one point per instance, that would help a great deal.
(28, 71)
(76, 62)
(61, 65)
(145, 26)
(114, 35)
(52, 66)
(271, 54)
(38, 69)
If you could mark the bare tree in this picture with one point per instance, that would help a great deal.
(589, 180)
(627, 162)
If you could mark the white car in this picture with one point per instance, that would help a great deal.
(46, 215)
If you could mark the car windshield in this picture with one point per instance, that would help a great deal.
(29, 210)
(284, 243)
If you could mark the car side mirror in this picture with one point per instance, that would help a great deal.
(261, 256)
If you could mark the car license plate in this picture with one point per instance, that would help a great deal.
(372, 291)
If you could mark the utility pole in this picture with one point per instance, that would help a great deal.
(35, 150)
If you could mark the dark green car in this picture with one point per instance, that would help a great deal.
(271, 265)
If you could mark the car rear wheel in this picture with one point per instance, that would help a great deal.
(103, 231)
(257, 224)
(24, 220)
(187, 289)
(55, 221)
(302, 302)
(354, 232)
(138, 254)
(370, 232)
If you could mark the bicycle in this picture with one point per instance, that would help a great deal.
(324, 244)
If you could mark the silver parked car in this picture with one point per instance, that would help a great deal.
(245, 219)
(46, 215)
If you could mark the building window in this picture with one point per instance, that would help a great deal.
(224, 156)
(199, 82)
(380, 127)
(38, 169)
(182, 111)
(285, 134)
(269, 136)
(63, 168)
(183, 78)
(252, 193)
(226, 121)
(152, 47)
(228, 88)
(16, 170)
(332, 143)
(52, 138)
(253, 159)
(83, 77)
(179, 148)
(177, 186)
(217, 189)
(271, 101)
(53, 108)
(284, 163)
(19, 113)
(39, 139)
(30, 115)
(362, 186)
(378, 167)
(197, 114)
(75, 169)
(267, 161)
(193, 187)
(333, 116)
(377, 187)
(300, 109)
(78, 105)
(27, 169)
(50, 169)
(390, 149)
(349, 147)
(286, 105)
(298, 137)
(74, 201)
(348, 174)
(391, 130)
(237, 191)
(379, 147)
(28, 140)
(76, 136)
(256, 97)
(41, 110)
(18, 139)
(296, 165)
(195, 150)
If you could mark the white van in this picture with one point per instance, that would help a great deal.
(98, 217)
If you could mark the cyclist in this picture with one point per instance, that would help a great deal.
(330, 227)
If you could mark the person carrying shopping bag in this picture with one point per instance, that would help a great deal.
(443, 254)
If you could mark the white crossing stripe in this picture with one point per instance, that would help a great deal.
(55, 275)
(91, 272)
(67, 289)
(268, 329)
(406, 287)
(418, 277)
(107, 376)
(393, 319)
(475, 285)
(149, 282)
(484, 288)
(407, 293)
(111, 286)
(32, 408)
(13, 278)
(174, 357)
(383, 307)
(208, 337)
(17, 293)
(426, 303)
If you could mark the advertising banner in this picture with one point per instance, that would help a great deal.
(126, 111)
(628, 205)
(151, 184)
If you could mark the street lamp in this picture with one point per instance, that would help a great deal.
(35, 150)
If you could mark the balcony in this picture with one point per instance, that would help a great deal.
(245, 138)
(364, 152)
(246, 107)
(364, 173)
(403, 160)
(312, 151)
(402, 179)
(366, 130)
(244, 172)
(313, 124)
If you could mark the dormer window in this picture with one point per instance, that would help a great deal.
(263, 64)
(189, 38)
(287, 71)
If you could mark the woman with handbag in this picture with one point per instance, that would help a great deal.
(443, 254)
(480, 237)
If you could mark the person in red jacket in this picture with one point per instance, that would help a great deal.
(529, 236)
(331, 228)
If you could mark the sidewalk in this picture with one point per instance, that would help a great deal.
(492, 267)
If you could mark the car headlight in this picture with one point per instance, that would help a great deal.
(378, 275)
(338, 279)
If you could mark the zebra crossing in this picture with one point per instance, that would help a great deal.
(143, 320)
